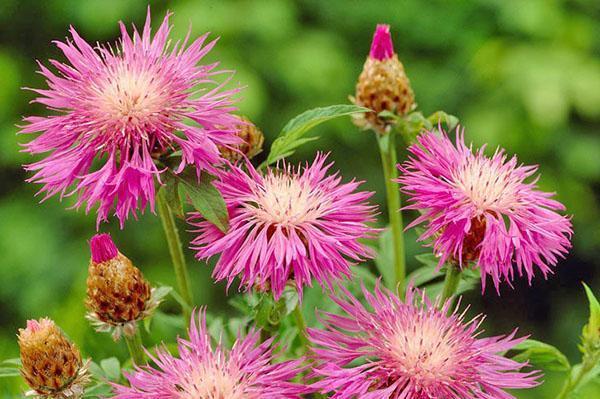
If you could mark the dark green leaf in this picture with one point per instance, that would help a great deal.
(206, 198)
(172, 197)
(291, 137)
(541, 354)
(385, 258)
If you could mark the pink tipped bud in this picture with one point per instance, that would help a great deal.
(382, 47)
(33, 326)
(103, 248)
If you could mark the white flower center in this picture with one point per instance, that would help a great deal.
(287, 201)
(425, 352)
(486, 185)
(212, 382)
(132, 97)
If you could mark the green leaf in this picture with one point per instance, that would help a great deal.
(427, 273)
(206, 198)
(172, 197)
(291, 137)
(111, 368)
(385, 258)
(541, 354)
(438, 117)
(591, 332)
(469, 279)
(100, 390)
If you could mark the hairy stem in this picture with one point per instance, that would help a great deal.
(134, 344)
(387, 148)
(573, 381)
(176, 251)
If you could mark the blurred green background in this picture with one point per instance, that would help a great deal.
(524, 75)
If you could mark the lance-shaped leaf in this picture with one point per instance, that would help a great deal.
(205, 198)
(292, 135)
(591, 332)
(541, 355)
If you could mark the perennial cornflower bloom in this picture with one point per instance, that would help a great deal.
(382, 84)
(288, 224)
(245, 371)
(120, 108)
(413, 349)
(482, 210)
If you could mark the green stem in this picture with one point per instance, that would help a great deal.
(571, 383)
(451, 281)
(302, 332)
(176, 251)
(134, 344)
(387, 148)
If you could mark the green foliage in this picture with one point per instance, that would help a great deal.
(204, 196)
(292, 134)
(540, 354)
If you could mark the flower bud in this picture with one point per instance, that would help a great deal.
(117, 293)
(383, 84)
(51, 364)
(253, 140)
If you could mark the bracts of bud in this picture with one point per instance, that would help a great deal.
(118, 296)
(382, 84)
(51, 364)
(251, 145)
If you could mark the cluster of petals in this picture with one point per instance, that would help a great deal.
(287, 224)
(246, 371)
(483, 209)
(414, 349)
(119, 108)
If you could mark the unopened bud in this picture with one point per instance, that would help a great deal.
(51, 364)
(117, 294)
(383, 84)
(252, 144)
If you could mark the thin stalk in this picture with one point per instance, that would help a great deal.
(387, 148)
(302, 332)
(451, 281)
(134, 344)
(572, 382)
(177, 256)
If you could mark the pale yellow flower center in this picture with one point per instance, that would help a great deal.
(287, 201)
(212, 382)
(487, 186)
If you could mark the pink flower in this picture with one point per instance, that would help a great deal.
(412, 350)
(288, 224)
(246, 371)
(118, 110)
(482, 210)
(382, 47)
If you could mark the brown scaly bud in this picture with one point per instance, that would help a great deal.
(51, 364)
(118, 296)
(383, 84)
(251, 146)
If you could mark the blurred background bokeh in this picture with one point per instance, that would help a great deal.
(524, 75)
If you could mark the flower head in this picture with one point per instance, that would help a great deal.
(51, 364)
(288, 224)
(413, 349)
(482, 210)
(118, 110)
(118, 296)
(246, 371)
(383, 84)
(251, 145)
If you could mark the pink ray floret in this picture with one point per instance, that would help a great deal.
(382, 47)
(287, 225)
(413, 349)
(246, 371)
(117, 109)
(482, 210)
